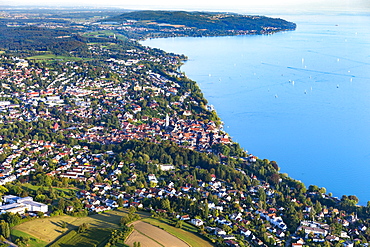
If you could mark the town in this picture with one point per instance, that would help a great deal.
(113, 124)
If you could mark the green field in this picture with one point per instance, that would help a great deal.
(48, 57)
(34, 242)
(68, 191)
(104, 34)
(49, 229)
(188, 233)
(92, 237)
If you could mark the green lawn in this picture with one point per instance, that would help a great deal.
(68, 191)
(105, 33)
(34, 242)
(188, 233)
(92, 237)
(53, 57)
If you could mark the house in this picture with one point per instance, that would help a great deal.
(362, 228)
(347, 244)
(219, 231)
(313, 230)
(231, 243)
(228, 237)
(166, 167)
(111, 203)
(331, 238)
(344, 234)
(297, 245)
(245, 232)
(185, 217)
(152, 179)
(280, 233)
(196, 222)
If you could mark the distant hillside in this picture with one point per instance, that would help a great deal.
(35, 38)
(204, 21)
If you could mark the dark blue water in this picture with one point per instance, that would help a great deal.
(301, 98)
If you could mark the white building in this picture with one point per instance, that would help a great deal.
(152, 178)
(196, 222)
(166, 167)
(19, 205)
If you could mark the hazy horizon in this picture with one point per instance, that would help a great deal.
(233, 5)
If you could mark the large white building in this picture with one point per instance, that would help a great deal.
(15, 204)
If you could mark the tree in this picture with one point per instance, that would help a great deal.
(179, 224)
(326, 244)
(206, 209)
(13, 219)
(227, 229)
(22, 241)
(318, 207)
(165, 204)
(274, 178)
(61, 204)
(83, 228)
(3, 190)
(5, 229)
(64, 224)
(132, 210)
(261, 194)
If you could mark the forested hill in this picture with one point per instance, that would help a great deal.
(207, 22)
(60, 41)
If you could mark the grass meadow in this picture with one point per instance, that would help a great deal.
(50, 229)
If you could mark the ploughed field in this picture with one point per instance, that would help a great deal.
(152, 236)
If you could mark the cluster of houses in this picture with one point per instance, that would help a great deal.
(107, 196)
(77, 163)
(72, 93)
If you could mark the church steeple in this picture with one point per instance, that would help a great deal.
(167, 121)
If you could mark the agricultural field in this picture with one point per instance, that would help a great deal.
(188, 233)
(149, 231)
(92, 237)
(49, 229)
(144, 241)
(152, 236)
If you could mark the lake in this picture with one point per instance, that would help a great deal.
(301, 98)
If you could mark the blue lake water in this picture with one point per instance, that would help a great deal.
(301, 98)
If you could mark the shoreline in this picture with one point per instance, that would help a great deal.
(361, 203)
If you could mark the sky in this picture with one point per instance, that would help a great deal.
(226, 5)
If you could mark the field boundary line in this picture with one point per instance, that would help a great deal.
(148, 237)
